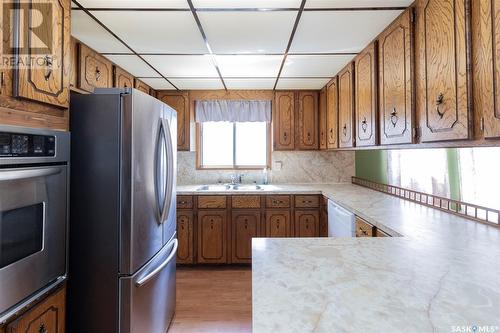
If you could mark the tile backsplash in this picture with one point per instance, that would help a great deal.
(296, 167)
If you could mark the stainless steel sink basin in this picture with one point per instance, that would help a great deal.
(247, 187)
(214, 188)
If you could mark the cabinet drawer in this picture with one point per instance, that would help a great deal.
(245, 201)
(278, 201)
(184, 201)
(306, 201)
(363, 228)
(211, 201)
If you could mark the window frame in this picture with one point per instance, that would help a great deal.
(199, 146)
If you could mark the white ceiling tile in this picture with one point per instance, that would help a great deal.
(284, 83)
(247, 4)
(134, 3)
(133, 64)
(340, 31)
(89, 32)
(357, 3)
(249, 65)
(183, 66)
(250, 83)
(248, 32)
(193, 84)
(314, 65)
(158, 83)
(155, 31)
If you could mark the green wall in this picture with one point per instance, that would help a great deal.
(372, 165)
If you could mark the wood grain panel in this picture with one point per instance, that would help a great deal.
(122, 78)
(95, 70)
(139, 85)
(332, 117)
(306, 223)
(365, 94)
(346, 106)
(323, 126)
(442, 96)
(245, 201)
(396, 81)
(73, 71)
(180, 102)
(211, 201)
(245, 226)
(9, 116)
(212, 236)
(278, 223)
(363, 228)
(306, 201)
(307, 120)
(278, 201)
(185, 237)
(284, 121)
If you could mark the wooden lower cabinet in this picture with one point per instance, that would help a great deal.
(46, 317)
(245, 225)
(306, 223)
(185, 237)
(212, 236)
(363, 228)
(278, 223)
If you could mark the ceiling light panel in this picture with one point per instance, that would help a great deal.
(133, 64)
(155, 31)
(357, 3)
(249, 65)
(134, 4)
(247, 4)
(157, 83)
(183, 66)
(314, 65)
(248, 32)
(250, 83)
(339, 31)
(89, 32)
(193, 84)
(298, 84)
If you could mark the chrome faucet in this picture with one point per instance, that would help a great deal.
(236, 178)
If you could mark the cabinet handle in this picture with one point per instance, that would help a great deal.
(344, 130)
(439, 101)
(308, 135)
(364, 125)
(394, 117)
(97, 74)
(48, 67)
(42, 329)
(181, 202)
(331, 132)
(285, 135)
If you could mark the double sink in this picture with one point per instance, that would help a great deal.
(235, 187)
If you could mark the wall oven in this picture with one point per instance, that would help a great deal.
(33, 214)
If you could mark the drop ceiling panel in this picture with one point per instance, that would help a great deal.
(250, 83)
(193, 84)
(158, 83)
(285, 83)
(155, 31)
(248, 32)
(340, 31)
(315, 65)
(183, 66)
(133, 64)
(249, 65)
(357, 3)
(247, 4)
(88, 31)
(134, 3)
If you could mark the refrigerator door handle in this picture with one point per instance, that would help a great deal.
(169, 170)
(143, 280)
(159, 173)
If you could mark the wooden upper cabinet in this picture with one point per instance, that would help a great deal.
(122, 79)
(47, 50)
(185, 236)
(139, 85)
(442, 96)
(212, 236)
(332, 115)
(395, 49)
(3, 70)
(73, 75)
(95, 70)
(180, 102)
(486, 65)
(245, 225)
(365, 93)
(323, 130)
(284, 121)
(307, 121)
(346, 106)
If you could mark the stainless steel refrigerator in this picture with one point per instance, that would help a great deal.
(122, 225)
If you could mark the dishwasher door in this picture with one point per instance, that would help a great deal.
(341, 222)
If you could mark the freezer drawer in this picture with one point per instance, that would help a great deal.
(147, 301)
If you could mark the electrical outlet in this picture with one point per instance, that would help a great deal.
(277, 165)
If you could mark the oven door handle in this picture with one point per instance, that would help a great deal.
(160, 267)
(26, 174)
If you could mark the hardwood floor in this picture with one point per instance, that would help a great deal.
(213, 299)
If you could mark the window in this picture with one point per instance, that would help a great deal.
(233, 145)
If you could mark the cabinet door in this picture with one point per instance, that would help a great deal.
(284, 121)
(180, 102)
(306, 223)
(48, 316)
(245, 225)
(332, 116)
(185, 236)
(47, 50)
(486, 65)
(123, 79)
(212, 236)
(3, 70)
(395, 49)
(323, 132)
(365, 94)
(95, 70)
(346, 106)
(307, 120)
(139, 85)
(278, 223)
(441, 70)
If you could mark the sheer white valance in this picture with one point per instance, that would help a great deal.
(232, 110)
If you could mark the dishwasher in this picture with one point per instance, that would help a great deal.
(341, 222)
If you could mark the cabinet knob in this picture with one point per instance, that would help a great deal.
(97, 74)
(344, 130)
(42, 329)
(285, 135)
(47, 60)
(394, 117)
(364, 125)
(439, 102)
